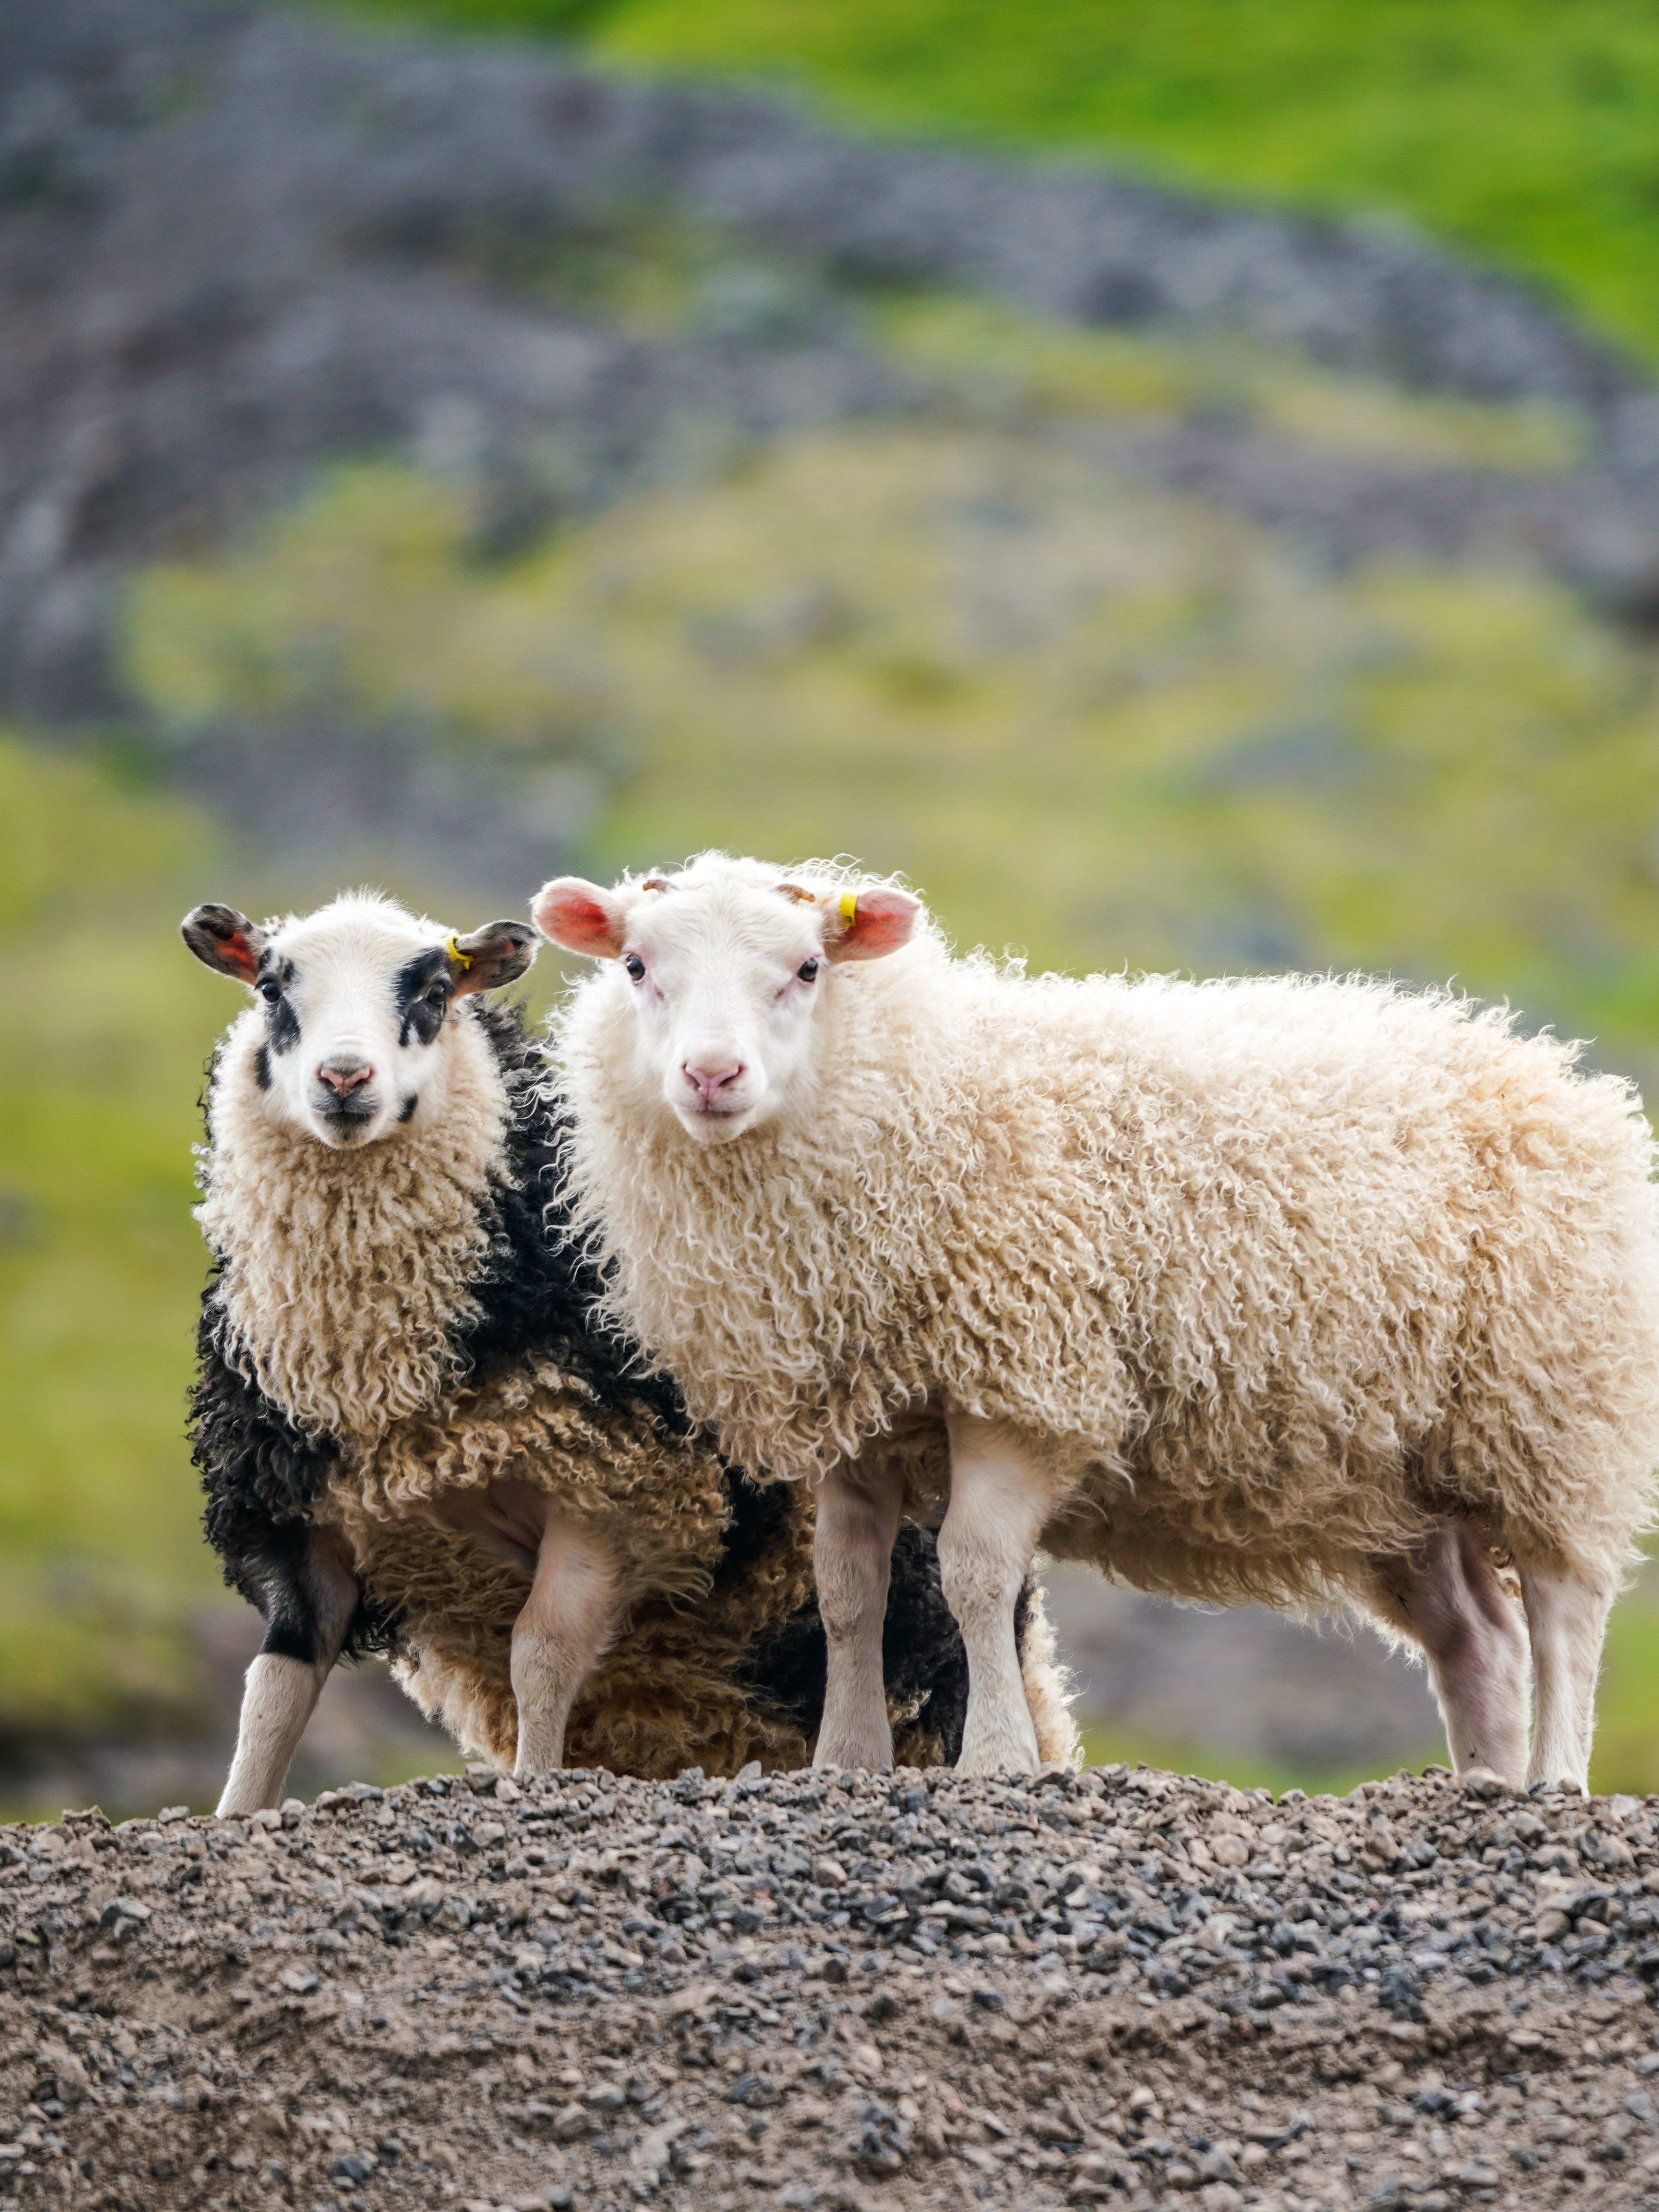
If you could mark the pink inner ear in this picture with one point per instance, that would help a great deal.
(580, 918)
(884, 921)
(241, 955)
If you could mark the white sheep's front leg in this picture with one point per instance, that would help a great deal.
(1000, 1497)
(1447, 1598)
(1567, 1610)
(311, 1594)
(559, 1638)
(858, 1518)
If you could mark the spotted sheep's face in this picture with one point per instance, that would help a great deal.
(355, 1001)
(720, 979)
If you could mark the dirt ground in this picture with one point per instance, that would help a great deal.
(907, 1991)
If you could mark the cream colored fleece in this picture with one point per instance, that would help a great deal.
(1277, 1268)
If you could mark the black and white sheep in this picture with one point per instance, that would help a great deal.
(1283, 1288)
(414, 1436)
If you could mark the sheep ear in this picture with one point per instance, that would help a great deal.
(867, 924)
(498, 953)
(223, 940)
(577, 914)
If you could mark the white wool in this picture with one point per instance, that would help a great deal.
(1281, 1269)
(346, 1272)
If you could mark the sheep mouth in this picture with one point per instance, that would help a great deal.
(713, 1121)
(346, 1125)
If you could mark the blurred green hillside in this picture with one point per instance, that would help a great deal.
(107, 1033)
(1526, 132)
(1104, 724)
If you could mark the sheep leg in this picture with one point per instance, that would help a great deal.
(999, 1501)
(311, 1595)
(1567, 1610)
(558, 1638)
(1447, 1598)
(857, 1525)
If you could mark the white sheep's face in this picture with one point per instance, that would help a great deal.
(720, 980)
(356, 1002)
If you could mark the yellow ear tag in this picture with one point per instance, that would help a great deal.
(849, 907)
(456, 953)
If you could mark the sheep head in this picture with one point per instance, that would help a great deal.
(350, 1029)
(723, 972)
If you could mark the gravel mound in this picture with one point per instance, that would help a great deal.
(907, 1990)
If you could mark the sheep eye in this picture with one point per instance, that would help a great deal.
(635, 965)
(807, 971)
(270, 990)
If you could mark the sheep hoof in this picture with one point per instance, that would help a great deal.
(997, 1758)
(855, 1757)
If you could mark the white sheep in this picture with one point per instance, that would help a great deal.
(1284, 1289)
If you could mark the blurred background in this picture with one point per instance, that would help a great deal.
(1180, 479)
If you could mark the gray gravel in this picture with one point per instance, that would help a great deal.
(902, 1990)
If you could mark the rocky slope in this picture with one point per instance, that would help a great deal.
(905, 1990)
(236, 241)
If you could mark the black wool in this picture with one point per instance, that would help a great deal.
(536, 1292)
(923, 1657)
(260, 1477)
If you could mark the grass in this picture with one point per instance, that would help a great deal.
(99, 1266)
(1521, 131)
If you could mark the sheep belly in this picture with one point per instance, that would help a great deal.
(672, 1693)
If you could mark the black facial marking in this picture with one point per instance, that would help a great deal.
(421, 988)
(262, 1068)
(406, 1111)
(284, 1025)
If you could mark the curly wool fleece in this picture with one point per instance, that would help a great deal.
(1281, 1269)
(346, 1283)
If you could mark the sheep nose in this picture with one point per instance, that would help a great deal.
(707, 1081)
(344, 1076)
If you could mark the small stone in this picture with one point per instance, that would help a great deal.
(122, 1914)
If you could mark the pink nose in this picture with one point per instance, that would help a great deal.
(708, 1082)
(343, 1080)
